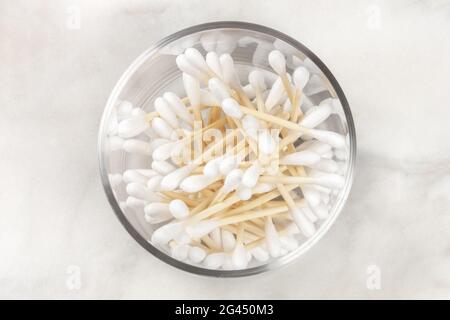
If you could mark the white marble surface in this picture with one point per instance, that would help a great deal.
(390, 57)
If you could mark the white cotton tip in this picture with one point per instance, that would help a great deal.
(139, 191)
(289, 243)
(216, 236)
(232, 180)
(195, 183)
(232, 108)
(211, 168)
(315, 116)
(201, 228)
(251, 126)
(334, 139)
(262, 188)
(147, 172)
(326, 165)
(180, 252)
(208, 99)
(330, 180)
(163, 167)
(218, 89)
(136, 146)
(227, 65)
(183, 238)
(228, 241)
(196, 58)
(277, 61)
(192, 88)
(228, 263)
(172, 180)
(227, 164)
(342, 168)
(158, 218)
(311, 195)
(132, 175)
(249, 91)
(115, 143)
(177, 106)
(226, 43)
(115, 179)
(250, 122)
(133, 202)
(166, 233)
(300, 158)
(325, 198)
(213, 62)
(156, 208)
(341, 154)
(301, 77)
(165, 112)
(239, 257)
(272, 239)
(251, 175)
(155, 143)
(257, 81)
(306, 145)
(260, 254)
(164, 151)
(124, 110)
(266, 142)
(113, 123)
(275, 94)
(319, 147)
(132, 127)
(320, 211)
(187, 68)
(309, 214)
(196, 254)
(214, 260)
(154, 182)
(303, 223)
(178, 209)
(244, 193)
(209, 40)
(162, 128)
(137, 112)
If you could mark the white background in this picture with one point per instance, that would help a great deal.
(392, 58)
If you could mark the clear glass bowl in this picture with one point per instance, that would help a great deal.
(155, 72)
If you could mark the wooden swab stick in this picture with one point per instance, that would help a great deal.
(275, 120)
(249, 205)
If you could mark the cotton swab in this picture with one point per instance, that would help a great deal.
(278, 63)
(132, 127)
(256, 80)
(184, 65)
(196, 58)
(178, 209)
(213, 62)
(165, 112)
(306, 226)
(163, 129)
(192, 88)
(178, 106)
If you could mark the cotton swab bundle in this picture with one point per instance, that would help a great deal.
(235, 170)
